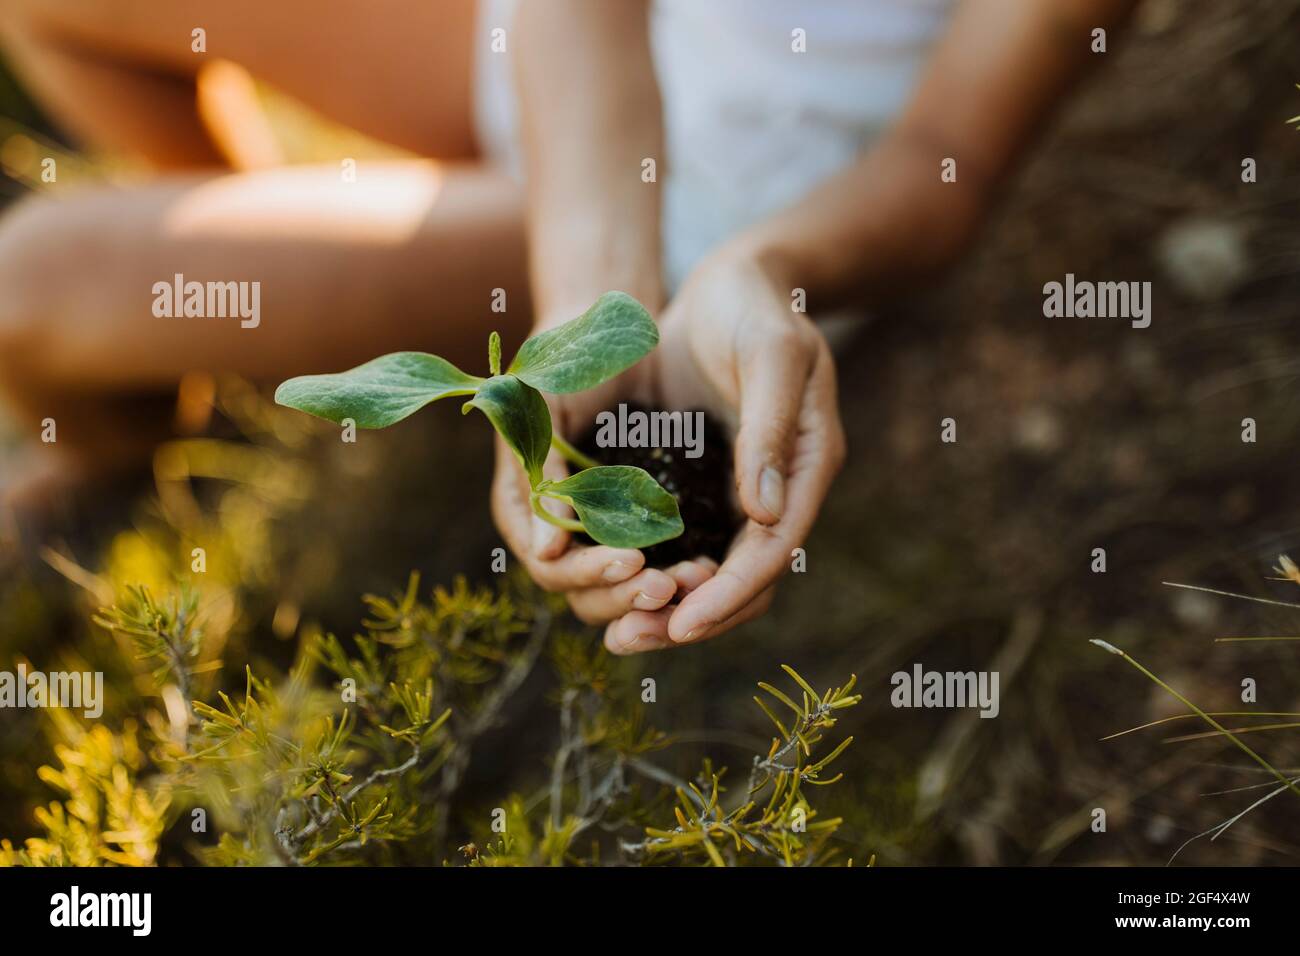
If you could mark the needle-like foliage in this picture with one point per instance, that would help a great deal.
(358, 754)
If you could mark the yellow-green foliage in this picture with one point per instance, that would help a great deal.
(104, 815)
(779, 824)
(370, 748)
(367, 767)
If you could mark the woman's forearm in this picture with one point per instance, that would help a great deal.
(873, 230)
(590, 116)
(892, 220)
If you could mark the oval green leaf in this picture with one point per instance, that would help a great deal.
(379, 393)
(621, 506)
(519, 413)
(610, 337)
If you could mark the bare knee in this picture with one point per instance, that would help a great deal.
(40, 16)
(15, 11)
(18, 233)
(33, 28)
(27, 275)
(21, 20)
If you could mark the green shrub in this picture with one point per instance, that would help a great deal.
(366, 766)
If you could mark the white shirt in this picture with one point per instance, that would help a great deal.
(756, 113)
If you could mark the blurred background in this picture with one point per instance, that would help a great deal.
(971, 556)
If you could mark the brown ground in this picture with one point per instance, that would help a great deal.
(1073, 434)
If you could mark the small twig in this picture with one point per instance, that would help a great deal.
(659, 775)
(335, 808)
(454, 769)
(562, 756)
(804, 724)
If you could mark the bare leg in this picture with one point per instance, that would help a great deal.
(120, 73)
(406, 257)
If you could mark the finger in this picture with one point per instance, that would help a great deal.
(770, 395)
(576, 568)
(685, 577)
(638, 631)
(689, 575)
(755, 608)
(548, 541)
(761, 552)
(648, 591)
(512, 509)
(584, 567)
(641, 631)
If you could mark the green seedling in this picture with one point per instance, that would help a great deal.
(617, 505)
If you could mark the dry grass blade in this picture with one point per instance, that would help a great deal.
(1245, 748)
(1212, 713)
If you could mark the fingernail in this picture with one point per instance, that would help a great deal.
(543, 535)
(697, 632)
(627, 645)
(637, 644)
(617, 571)
(771, 490)
(648, 602)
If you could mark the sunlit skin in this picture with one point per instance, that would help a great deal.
(406, 257)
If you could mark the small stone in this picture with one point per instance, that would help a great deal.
(1205, 258)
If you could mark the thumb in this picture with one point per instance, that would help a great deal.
(548, 541)
(770, 398)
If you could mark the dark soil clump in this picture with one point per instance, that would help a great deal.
(702, 487)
